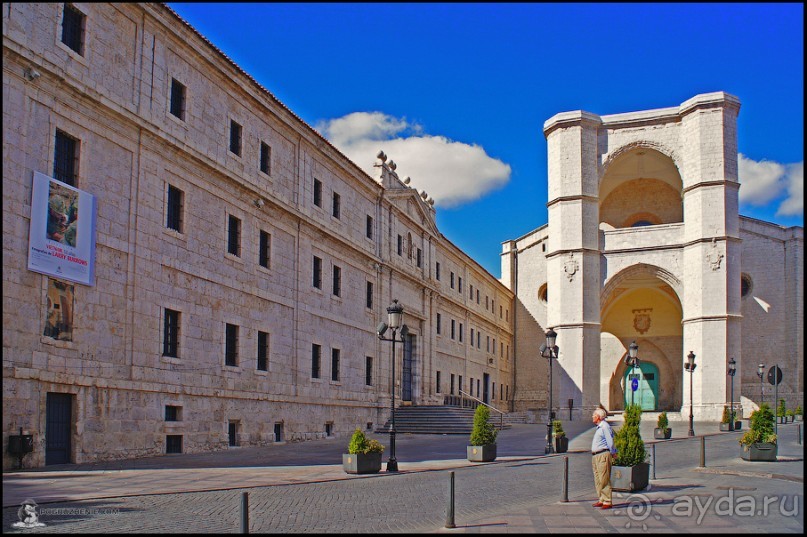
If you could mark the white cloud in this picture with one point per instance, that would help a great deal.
(764, 182)
(450, 172)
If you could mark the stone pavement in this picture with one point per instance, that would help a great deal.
(519, 492)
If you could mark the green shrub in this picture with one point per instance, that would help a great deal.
(780, 409)
(360, 444)
(628, 440)
(557, 429)
(484, 432)
(789, 413)
(727, 415)
(797, 412)
(762, 427)
(662, 422)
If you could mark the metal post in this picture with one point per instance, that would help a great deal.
(654, 462)
(565, 490)
(799, 433)
(703, 452)
(632, 374)
(548, 448)
(392, 463)
(775, 400)
(450, 510)
(691, 417)
(731, 410)
(245, 512)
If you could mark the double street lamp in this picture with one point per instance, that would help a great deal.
(731, 372)
(689, 365)
(760, 374)
(549, 350)
(632, 359)
(395, 322)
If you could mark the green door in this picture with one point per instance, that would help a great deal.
(646, 375)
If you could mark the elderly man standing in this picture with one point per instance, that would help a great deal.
(602, 450)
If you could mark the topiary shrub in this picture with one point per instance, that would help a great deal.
(557, 429)
(797, 411)
(727, 417)
(628, 440)
(359, 444)
(762, 427)
(484, 432)
(781, 409)
(662, 422)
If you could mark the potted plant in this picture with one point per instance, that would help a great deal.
(363, 456)
(725, 422)
(483, 437)
(630, 471)
(759, 442)
(561, 440)
(789, 415)
(797, 415)
(780, 411)
(662, 431)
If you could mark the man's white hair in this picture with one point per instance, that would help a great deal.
(600, 413)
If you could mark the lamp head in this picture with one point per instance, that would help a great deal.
(633, 350)
(760, 370)
(691, 361)
(395, 314)
(382, 328)
(550, 338)
(732, 367)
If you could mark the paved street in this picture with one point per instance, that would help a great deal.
(520, 492)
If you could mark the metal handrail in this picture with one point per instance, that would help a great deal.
(501, 414)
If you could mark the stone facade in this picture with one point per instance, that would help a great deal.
(644, 243)
(127, 396)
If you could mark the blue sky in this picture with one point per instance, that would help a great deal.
(457, 94)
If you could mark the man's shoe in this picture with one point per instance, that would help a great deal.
(606, 506)
(598, 504)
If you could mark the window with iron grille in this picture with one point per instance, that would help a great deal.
(171, 333)
(337, 205)
(317, 192)
(232, 433)
(317, 272)
(453, 328)
(335, 354)
(231, 345)
(266, 158)
(65, 158)
(337, 281)
(368, 370)
(173, 443)
(369, 294)
(235, 138)
(461, 332)
(174, 209)
(439, 322)
(234, 236)
(177, 99)
(263, 351)
(73, 28)
(369, 230)
(264, 249)
(316, 355)
(172, 413)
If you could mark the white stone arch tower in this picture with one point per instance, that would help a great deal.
(696, 240)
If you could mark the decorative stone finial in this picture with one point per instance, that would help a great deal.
(381, 156)
(407, 179)
(423, 194)
(431, 201)
(392, 165)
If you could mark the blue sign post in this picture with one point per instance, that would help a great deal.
(634, 384)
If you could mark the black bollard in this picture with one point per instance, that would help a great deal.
(799, 433)
(654, 462)
(244, 512)
(450, 510)
(565, 490)
(703, 452)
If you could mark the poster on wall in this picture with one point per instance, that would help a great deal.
(62, 236)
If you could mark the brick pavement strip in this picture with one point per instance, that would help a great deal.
(507, 496)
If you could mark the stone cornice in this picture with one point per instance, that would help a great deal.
(577, 118)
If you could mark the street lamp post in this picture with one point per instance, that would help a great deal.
(732, 370)
(690, 366)
(632, 359)
(760, 374)
(549, 350)
(394, 321)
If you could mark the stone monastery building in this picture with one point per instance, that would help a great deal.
(187, 265)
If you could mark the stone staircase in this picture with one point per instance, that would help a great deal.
(436, 419)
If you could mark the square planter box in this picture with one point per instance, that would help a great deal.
(662, 434)
(759, 452)
(737, 426)
(485, 453)
(798, 417)
(361, 463)
(630, 478)
(561, 444)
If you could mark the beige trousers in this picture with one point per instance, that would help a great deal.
(601, 464)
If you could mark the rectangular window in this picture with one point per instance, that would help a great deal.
(317, 192)
(65, 158)
(488, 344)
(173, 443)
(460, 332)
(369, 294)
(493, 306)
(316, 355)
(472, 386)
(471, 295)
(369, 230)
(317, 272)
(59, 319)
(172, 413)
(266, 158)
(234, 236)
(73, 28)
(231, 345)
(477, 296)
(171, 333)
(263, 351)
(501, 311)
(439, 319)
(472, 337)
(335, 364)
(494, 345)
(177, 99)
(235, 138)
(337, 281)
(337, 205)
(400, 245)
(368, 370)
(487, 305)
(419, 257)
(174, 209)
(453, 328)
(232, 433)
(437, 383)
(452, 280)
(459, 285)
(264, 249)
(459, 383)
(437, 271)
(478, 384)
(478, 339)
(452, 384)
